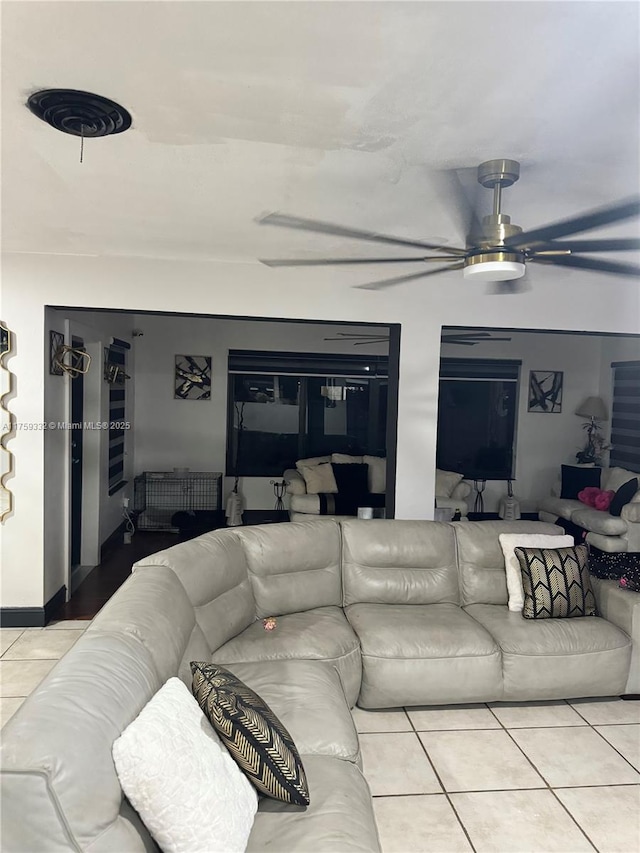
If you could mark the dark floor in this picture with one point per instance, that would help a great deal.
(101, 583)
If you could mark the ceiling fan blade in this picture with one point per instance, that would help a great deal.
(449, 187)
(625, 244)
(319, 262)
(594, 219)
(594, 264)
(296, 222)
(390, 282)
(510, 287)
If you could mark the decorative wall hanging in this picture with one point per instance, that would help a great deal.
(6, 423)
(114, 373)
(545, 391)
(193, 377)
(56, 340)
(73, 361)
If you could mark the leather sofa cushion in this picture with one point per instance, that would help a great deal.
(305, 503)
(406, 562)
(561, 507)
(293, 569)
(320, 634)
(424, 654)
(599, 522)
(56, 753)
(308, 699)
(153, 606)
(418, 631)
(556, 658)
(340, 818)
(483, 577)
(223, 600)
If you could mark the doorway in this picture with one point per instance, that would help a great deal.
(76, 461)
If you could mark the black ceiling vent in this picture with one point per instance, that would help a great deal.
(79, 113)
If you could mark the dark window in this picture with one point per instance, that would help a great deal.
(288, 406)
(477, 405)
(625, 417)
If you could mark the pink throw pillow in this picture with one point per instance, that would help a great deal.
(588, 495)
(603, 500)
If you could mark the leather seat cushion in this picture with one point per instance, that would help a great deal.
(599, 522)
(307, 697)
(556, 658)
(339, 818)
(560, 507)
(424, 654)
(319, 634)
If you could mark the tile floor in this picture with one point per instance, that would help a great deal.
(505, 777)
(538, 777)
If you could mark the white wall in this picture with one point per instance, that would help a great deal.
(560, 299)
(101, 514)
(170, 432)
(545, 441)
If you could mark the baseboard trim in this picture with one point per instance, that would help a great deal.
(634, 696)
(111, 541)
(32, 617)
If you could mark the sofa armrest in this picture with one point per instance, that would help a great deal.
(631, 512)
(461, 491)
(622, 608)
(295, 482)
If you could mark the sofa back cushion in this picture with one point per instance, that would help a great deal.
(60, 790)
(213, 571)
(398, 562)
(293, 566)
(483, 577)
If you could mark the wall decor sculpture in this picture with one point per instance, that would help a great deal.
(6, 423)
(73, 361)
(193, 377)
(545, 391)
(56, 341)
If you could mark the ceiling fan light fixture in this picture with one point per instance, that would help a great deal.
(494, 266)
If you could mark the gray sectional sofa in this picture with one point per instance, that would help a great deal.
(385, 613)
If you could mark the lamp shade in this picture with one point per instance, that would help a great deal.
(593, 407)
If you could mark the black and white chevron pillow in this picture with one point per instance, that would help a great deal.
(556, 582)
(256, 739)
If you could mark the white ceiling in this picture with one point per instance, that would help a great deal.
(336, 111)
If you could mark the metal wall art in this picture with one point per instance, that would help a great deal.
(72, 360)
(193, 377)
(56, 341)
(545, 391)
(114, 373)
(6, 423)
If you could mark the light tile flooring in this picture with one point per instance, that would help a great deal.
(505, 777)
(538, 777)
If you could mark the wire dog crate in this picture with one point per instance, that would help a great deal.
(157, 495)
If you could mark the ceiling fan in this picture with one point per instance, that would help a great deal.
(496, 250)
(466, 339)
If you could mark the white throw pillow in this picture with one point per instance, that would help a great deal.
(319, 479)
(189, 792)
(376, 474)
(312, 460)
(344, 459)
(509, 542)
(446, 481)
(613, 478)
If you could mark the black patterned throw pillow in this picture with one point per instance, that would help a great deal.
(556, 582)
(254, 736)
